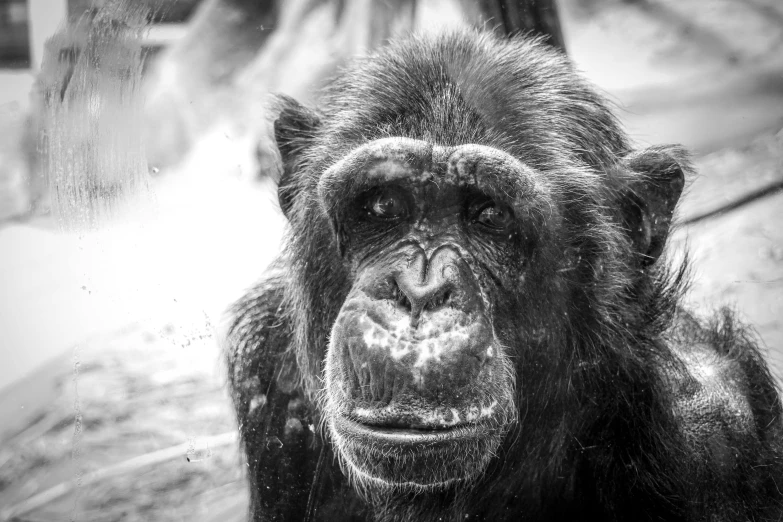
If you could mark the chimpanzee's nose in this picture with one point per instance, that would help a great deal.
(430, 284)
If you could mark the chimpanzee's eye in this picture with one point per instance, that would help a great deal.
(386, 204)
(493, 216)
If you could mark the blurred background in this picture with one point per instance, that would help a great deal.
(137, 201)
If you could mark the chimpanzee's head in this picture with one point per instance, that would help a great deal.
(469, 226)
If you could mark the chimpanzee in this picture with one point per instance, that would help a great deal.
(473, 318)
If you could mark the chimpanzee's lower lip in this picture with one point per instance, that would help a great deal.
(407, 436)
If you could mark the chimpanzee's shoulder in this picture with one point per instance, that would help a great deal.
(258, 336)
(721, 383)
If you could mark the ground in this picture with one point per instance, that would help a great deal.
(120, 412)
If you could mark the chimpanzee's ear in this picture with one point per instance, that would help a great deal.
(295, 128)
(651, 196)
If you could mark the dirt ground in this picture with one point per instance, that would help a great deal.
(121, 413)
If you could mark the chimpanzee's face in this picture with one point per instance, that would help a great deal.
(419, 380)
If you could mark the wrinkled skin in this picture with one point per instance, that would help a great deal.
(473, 318)
(414, 369)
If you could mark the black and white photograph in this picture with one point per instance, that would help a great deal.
(391, 260)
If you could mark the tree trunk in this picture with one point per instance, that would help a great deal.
(508, 17)
(188, 82)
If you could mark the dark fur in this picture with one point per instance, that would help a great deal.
(613, 424)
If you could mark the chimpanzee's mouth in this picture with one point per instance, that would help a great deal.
(399, 436)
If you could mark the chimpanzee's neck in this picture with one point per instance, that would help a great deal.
(426, 507)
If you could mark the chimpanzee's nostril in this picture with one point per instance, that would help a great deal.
(438, 300)
(416, 297)
(401, 299)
